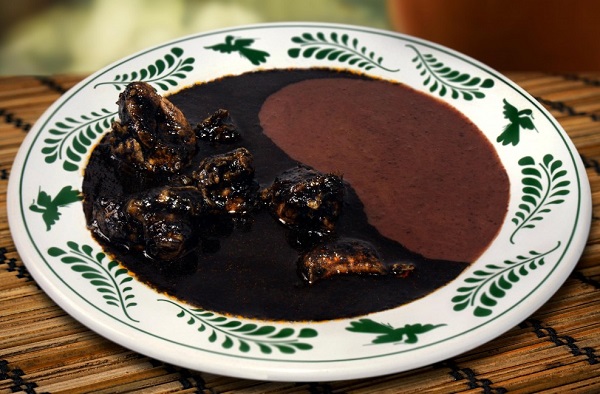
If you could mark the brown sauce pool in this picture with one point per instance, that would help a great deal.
(417, 165)
(426, 187)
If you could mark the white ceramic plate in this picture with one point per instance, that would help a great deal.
(538, 245)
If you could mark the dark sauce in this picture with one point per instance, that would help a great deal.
(249, 268)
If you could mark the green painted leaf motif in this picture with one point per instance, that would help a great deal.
(408, 334)
(72, 138)
(447, 82)
(544, 186)
(49, 207)
(336, 48)
(163, 73)
(495, 282)
(241, 46)
(108, 278)
(518, 120)
(231, 333)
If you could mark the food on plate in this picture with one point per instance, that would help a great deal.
(218, 128)
(278, 205)
(152, 134)
(427, 176)
(305, 199)
(226, 182)
(341, 257)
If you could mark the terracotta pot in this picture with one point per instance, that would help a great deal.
(542, 35)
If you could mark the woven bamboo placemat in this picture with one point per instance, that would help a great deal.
(557, 349)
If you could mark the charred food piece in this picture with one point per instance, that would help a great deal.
(109, 220)
(401, 270)
(165, 218)
(167, 236)
(218, 128)
(152, 135)
(226, 182)
(340, 257)
(186, 200)
(305, 199)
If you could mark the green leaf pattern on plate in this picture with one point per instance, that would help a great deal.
(408, 334)
(544, 186)
(48, 206)
(518, 120)
(231, 332)
(485, 287)
(242, 47)
(164, 72)
(444, 80)
(110, 279)
(335, 47)
(70, 139)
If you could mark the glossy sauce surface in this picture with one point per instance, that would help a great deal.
(250, 270)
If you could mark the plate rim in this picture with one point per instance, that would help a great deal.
(286, 373)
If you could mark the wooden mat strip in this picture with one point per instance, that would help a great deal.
(42, 349)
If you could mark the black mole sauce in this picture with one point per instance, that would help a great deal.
(250, 271)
